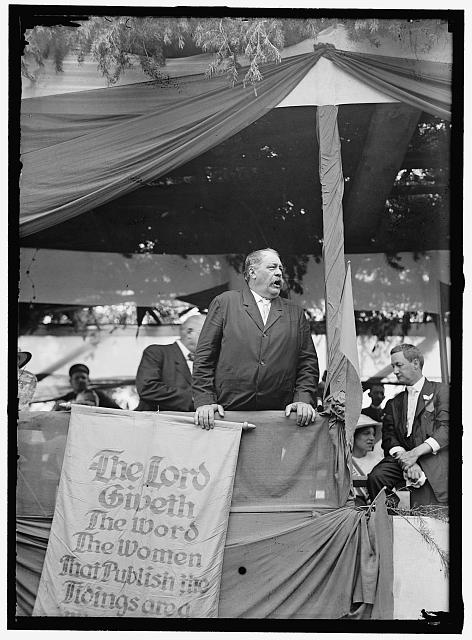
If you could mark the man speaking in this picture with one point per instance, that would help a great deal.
(255, 351)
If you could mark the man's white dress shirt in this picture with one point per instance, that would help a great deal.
(413, 395)
(186, 353)
(263, 305)
(413, 392)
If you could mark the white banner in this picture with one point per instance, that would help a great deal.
(141, 517)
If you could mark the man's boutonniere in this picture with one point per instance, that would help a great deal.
(429, 406)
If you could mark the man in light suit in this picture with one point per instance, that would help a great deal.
(415, 433)
(164, 378)
(255, 350)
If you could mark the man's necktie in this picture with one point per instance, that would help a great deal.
(190, 359)
(412, 402)
(265, 309)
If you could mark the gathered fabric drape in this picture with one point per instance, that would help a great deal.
(84, 149)
(419, 83)
(330, 566)
(294, 548)
(61, 181)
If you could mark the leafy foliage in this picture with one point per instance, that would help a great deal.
(371, 323)
(115, 43)
(118, 43)
(418, 35)
(259, 40)
(440, 512)
(45, 43)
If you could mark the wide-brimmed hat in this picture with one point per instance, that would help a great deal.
(23, 358)
(365, 421)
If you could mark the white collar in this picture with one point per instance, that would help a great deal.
(183, 348)
(418, 385)
(258, 298)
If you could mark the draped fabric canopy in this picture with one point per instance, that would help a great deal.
(82, 150)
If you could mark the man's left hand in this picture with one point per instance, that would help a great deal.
(305, 412)
(407, 458)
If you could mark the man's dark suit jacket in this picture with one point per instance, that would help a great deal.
(375, 413)
(244, 365)
(163, 380)
(431, 421)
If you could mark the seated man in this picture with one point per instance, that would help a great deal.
(377, 395)
(164, 378)
(415, 433)
(82, 393)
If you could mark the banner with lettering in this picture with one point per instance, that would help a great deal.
(141, 517)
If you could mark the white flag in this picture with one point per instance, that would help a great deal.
(141, 517)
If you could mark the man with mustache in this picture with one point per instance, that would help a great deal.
(255, 351)
(415, 433)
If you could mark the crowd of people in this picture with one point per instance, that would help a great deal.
(253, 351)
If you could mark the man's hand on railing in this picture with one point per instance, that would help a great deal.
(305, 412)
(205, 415)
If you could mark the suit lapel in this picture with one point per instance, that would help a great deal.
(402, 407)
(181, 363)
(427, 390)
(276, 310)
(251, 308)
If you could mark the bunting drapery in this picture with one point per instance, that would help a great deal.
(348, 348)
(419, 83)
(84, 149)
(291, 541)
(73, 162)
(66, 179)
(343, 390)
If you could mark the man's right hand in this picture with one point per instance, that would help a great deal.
(205, 415)
(414, 472)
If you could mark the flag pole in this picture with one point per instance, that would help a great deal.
(441, 327)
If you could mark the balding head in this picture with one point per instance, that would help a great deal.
(190, 331)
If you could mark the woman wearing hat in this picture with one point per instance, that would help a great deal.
(366, 453)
